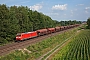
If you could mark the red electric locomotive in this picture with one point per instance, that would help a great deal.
(27, 35)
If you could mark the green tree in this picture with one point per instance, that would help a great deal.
(88, 22)
(4, 22)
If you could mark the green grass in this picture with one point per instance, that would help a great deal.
(77, 49)
(39, 48)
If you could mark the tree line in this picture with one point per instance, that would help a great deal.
(19, 19)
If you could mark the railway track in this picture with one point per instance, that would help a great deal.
(19, 45)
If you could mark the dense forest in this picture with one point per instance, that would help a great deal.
(16, 19)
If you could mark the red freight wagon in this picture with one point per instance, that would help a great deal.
(42, 32)
(27, 35)
(76, 25)
(62, 28)
(69, 26)
(72, 26)
(51, 30)
(65, 27)
(57, 28)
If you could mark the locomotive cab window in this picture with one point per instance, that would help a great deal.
(18, 34)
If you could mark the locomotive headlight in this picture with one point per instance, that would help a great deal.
(18, 37)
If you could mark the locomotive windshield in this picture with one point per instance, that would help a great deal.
(18, 34)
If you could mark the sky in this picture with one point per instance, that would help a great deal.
(60, 10)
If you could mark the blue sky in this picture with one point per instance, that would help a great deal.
(56, 9)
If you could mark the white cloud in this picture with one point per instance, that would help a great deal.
(17, 5)
(54, 14)
(73, 11)
(59, 7)
(80, 5)
(36, 7)
(87, 8)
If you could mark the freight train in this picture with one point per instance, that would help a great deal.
(37, 33)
